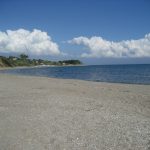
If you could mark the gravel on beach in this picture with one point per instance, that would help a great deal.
(38, 113)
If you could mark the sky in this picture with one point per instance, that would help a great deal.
(94, 31)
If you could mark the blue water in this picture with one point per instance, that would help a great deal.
(137, 74)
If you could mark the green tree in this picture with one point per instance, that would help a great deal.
(24, 56)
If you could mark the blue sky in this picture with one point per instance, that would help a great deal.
(64, 20)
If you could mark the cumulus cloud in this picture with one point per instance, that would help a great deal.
(34, 42)
(99, 47)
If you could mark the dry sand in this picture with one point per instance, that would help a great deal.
(38, 113)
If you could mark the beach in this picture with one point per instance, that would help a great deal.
(39, 113)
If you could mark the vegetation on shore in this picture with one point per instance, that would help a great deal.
(23, 60)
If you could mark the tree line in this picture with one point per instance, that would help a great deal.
(23, 60)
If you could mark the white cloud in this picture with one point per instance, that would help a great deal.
(99, 47)
(34, 42)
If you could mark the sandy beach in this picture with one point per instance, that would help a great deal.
(38, 113)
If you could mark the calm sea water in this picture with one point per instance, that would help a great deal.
(137, 74)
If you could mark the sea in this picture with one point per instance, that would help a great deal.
(130, 74)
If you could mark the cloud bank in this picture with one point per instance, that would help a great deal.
(33, 42)
(99, 47)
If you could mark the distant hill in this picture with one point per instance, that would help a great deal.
(23, 60)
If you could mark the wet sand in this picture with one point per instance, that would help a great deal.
(38, 113)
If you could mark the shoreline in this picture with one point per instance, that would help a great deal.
(121, 83)
(65, 78)
(69, 79)
(38, 66)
